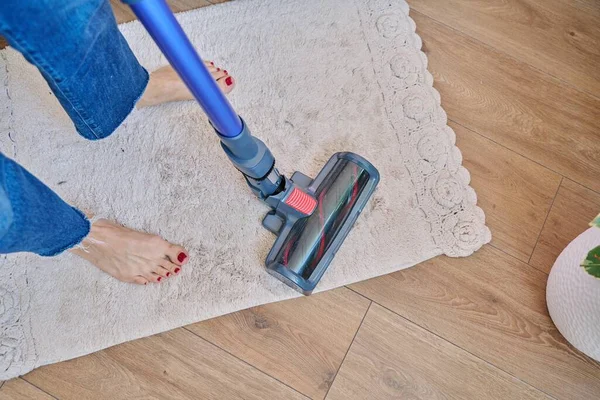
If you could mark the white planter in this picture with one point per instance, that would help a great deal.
(573, 296)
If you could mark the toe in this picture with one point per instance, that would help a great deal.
(226, 84)
(211, 66)
(170, 267)
(150, 276)
(159, 270)
(219, 73)
(140, 280)
(177, 255)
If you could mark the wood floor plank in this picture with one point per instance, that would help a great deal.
(301, 342)
(513, 104)
(493, 306)
(18, 389)
(515, 192)
(558, 37)
(392, 358)
(171, 365)
(571, 213)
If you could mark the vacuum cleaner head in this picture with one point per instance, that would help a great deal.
(313, 217)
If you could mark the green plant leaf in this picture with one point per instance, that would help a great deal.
(591, 264)
(596, 221)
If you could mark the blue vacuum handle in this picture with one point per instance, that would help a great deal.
(160, 22)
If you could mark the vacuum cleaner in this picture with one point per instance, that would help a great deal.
(311, 217)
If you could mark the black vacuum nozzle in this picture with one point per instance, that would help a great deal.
(312, 225)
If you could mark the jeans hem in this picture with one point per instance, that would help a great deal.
(79, 239)
(129, 111)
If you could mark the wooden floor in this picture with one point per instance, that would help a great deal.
(520, 81)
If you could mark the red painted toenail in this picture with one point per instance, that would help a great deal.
(225, 71)
(229, 81)
(181, 257)
(212, 63)
(168, 274)
(158, 279)
(218, 69)
(177, 270)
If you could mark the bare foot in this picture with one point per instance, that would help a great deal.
(130, 256)
(165, 85)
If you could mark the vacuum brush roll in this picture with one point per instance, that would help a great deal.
(306, 246)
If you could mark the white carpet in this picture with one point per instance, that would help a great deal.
(314, 77)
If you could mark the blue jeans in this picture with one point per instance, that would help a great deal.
(77, 47)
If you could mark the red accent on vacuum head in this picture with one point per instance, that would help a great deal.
(301, 201)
